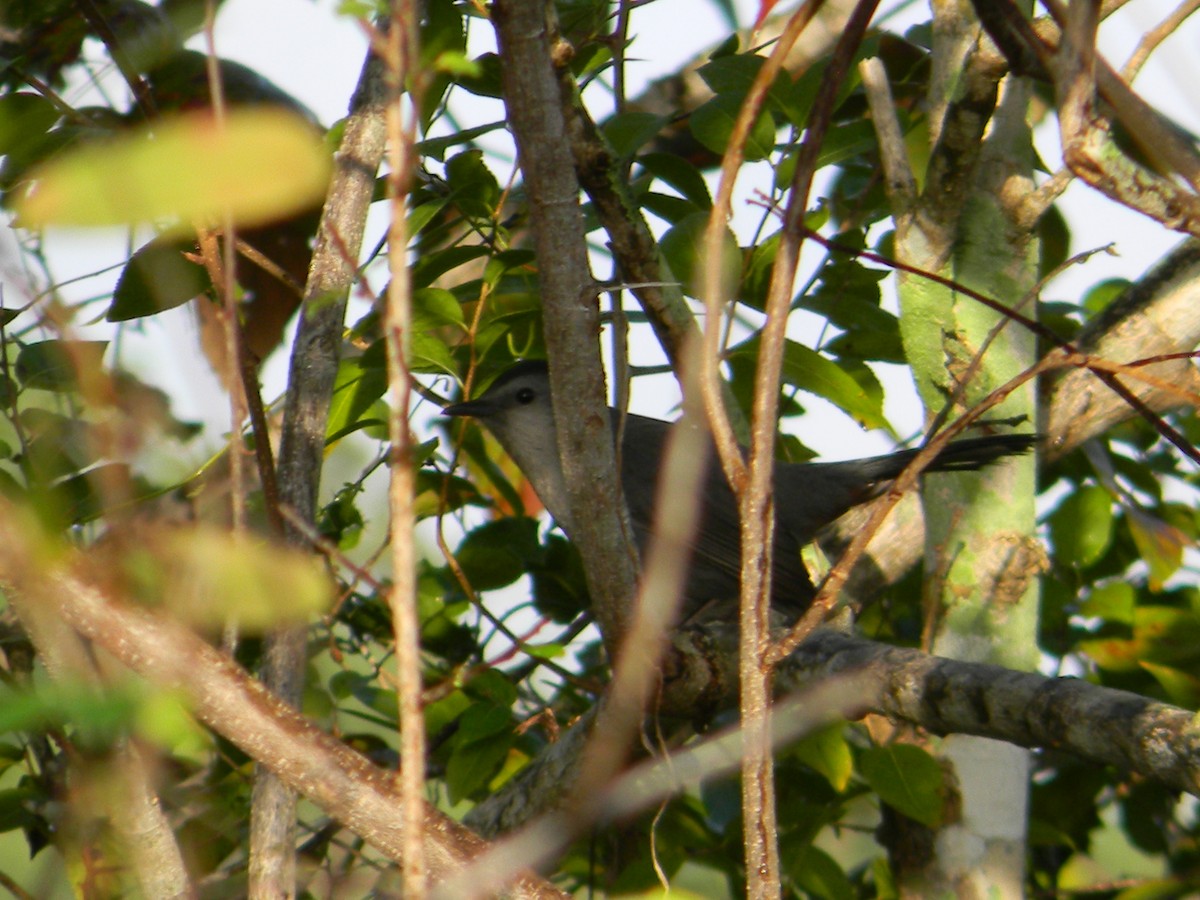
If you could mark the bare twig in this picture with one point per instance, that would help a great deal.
(1155, 36)
(401, 58)
(898, 179)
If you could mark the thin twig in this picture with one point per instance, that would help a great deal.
(401, 58)
(1155, 36)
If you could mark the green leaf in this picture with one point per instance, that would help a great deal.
(545, 651)
(504, 262)
(432, 266)
(436, 147)
(756, 273)
(438, 492)
(257, 585)
(1161, 634)
(846, 141)
(60, 365)
(432, 307)
(442, 42)
(472, 765)
(487, 82)
(491, 685)
(734, 75)
(428, 354)
(483, 720)
(24, 117)
(817, 874)
(679, 174)
(559, 586)
(629, 132)
(809, 371)
(828, 752)
(1183, 688)
(731, 74)
(157, 277)
(1081, 529)
(884, 345)
(497, 553)
(357, 388)
(683, 247)
(473, 187)
(15, 808)
(908, 779)
(103, 715)
(262, 164)
(457, 63)
(712, 125)
(441, 713)
(1099, 296)
(1113, 602)
(668, 207)
(423, 214)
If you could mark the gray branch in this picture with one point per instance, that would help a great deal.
(314, 364)
(570, 310)
(941, 696)
(944, 696)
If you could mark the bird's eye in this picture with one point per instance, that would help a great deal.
(525, 396)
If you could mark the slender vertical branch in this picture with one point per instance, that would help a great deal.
(401, 51)
(314, 364)
(570, 312)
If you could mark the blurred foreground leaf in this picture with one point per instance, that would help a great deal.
(263, 164)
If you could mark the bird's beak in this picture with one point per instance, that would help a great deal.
(467, 408)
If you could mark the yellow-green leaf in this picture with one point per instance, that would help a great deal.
(1159, 543)
(262, 164)
(211, 577)
(1182, 688)
(828, 753)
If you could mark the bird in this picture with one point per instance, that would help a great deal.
(517, 410)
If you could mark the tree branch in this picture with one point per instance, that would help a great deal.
(314, 365)
(942, 696)
(362, 796)
(570, 313)
(1107, 726)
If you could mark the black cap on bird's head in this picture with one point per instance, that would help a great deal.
(519, 385)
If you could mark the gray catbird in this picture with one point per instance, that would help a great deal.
(808, 496)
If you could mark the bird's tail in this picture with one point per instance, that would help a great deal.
(959, 456)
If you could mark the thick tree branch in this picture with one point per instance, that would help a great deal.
(1111, 727)
(633, 244)
(942, 696)
(570, 313)
(1156, 316)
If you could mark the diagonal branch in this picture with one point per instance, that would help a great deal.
(340, 780)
